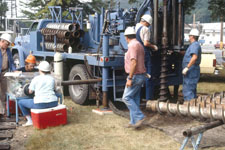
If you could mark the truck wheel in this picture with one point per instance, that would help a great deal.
(16, 60)
(78, 93)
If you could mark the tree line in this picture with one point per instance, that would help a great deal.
(214, 10)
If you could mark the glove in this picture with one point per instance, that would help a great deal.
(185, 70)
(155, 48)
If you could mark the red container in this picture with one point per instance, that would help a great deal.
(12, 108)
(50, 117)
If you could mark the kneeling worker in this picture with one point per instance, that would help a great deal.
(30, 63)
(43, 87)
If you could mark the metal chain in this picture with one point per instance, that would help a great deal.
(97, 97)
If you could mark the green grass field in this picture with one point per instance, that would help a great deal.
(88, 131)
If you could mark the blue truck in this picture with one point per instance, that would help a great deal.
(101, 47)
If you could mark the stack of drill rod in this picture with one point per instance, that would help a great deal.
(66, 34)
(204, 107)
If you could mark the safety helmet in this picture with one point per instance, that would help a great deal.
(31, 59)
(44, 66)
(194, 32)
(129, 31)
(147, 18)
(7, 37)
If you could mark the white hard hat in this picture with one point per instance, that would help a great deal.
(7, 37)
(147, 18)
(44, 66)
(194, 32)
(130, 31)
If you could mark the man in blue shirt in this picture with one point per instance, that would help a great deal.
(30, 63)
(6, 64)
(190, 65)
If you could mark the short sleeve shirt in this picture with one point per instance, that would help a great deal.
(144, 33)
(194, 48)
(4, 60)
(135, 51)
(43, 87)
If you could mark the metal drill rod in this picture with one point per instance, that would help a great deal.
(58, 33)
(50, 38)
(59, 47)
(78, 82)
(202, 128)
(163, 87)
(187, 110)
(61, 26)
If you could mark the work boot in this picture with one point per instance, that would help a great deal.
(129, 126)
(139, 123)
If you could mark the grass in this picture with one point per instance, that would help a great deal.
(88, 131)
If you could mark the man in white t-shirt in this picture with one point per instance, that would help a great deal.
(143, 36)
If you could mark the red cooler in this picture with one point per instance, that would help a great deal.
(50, 117)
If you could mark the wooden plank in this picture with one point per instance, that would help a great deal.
(8, 119)
(5, 135)
(7, 125)
(4, 147)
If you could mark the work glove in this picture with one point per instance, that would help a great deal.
(185, 70)
(155, 48)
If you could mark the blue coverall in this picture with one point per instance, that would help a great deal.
(190, 80)
(149, 87)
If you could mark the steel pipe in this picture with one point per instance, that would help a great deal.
(50, 38)
(179, 23)
(51, 46)
(187, 110)
(61, 26)
(174, 22)
(155, 39)
(58, 33)
(202, 128)
(78, 82)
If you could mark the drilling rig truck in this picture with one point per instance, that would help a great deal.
(95, 48)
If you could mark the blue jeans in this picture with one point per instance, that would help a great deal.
(149, 87)
(27, 104)
(131, 97)
(190, 81)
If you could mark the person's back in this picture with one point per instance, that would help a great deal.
(43, 87)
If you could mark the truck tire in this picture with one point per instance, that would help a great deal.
(78, 93)
(16, 60)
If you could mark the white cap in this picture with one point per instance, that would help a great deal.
(147, 18)
(44, 66)
(194, 32)
(130, 31)
(7, 37)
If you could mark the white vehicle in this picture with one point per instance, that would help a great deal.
(208, 63)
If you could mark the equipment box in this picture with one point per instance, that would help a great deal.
(50, 117)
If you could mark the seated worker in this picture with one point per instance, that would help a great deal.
(30, 62)
(43, 87)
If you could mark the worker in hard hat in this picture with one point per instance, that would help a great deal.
(143, 36)
(6, 64)
(43, 87)
(190, 65)
(135, 68)
(30, 63)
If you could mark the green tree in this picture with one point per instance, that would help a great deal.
(218, 13)
(40, 7)
(3, 9)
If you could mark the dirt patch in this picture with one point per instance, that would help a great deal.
(174, 126)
